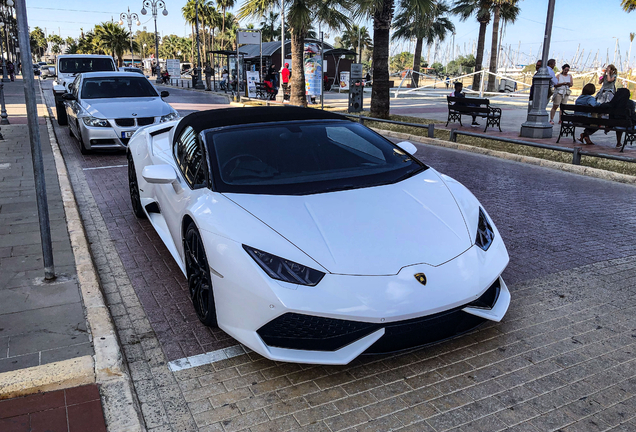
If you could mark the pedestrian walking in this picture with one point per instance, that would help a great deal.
(447, 81)
(562, 91)
(208, 71)
(608, 87)
(11, 70)
(286, 74)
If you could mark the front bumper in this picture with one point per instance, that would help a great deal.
(379, 313)
(113, 137)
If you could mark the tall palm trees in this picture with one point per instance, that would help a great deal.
(506, 10)
(300, 15)
(224, 5)
(382, 13)
(113, 39)
(431, 26)
(481, 10)
(628, 5)
(268, 26)
(356, 36)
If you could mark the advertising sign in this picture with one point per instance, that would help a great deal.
(344, 80)
(252, 79)
(356, 71)
(174, 67)
(313, 76)
(249, 37)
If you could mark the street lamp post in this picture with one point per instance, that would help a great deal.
(154, 5)
(537, 124)
(198, 84)
(129, 17)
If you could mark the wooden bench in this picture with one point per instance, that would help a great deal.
(263, 91)
(457, 107)
(573, 116)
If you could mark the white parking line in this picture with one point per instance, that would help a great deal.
(206, 358)
(104, 167)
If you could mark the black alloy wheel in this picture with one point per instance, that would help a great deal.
(83, 149)
(133, 185)
(199, 280)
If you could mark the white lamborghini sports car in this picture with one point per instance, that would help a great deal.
(310, 238)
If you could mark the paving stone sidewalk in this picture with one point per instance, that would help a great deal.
(40, 322)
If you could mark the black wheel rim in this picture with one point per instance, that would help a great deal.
(198, 274)
(132, 183)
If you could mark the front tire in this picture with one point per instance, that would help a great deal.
(199, 280)
(133, 185)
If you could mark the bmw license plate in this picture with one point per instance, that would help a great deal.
(127, 134)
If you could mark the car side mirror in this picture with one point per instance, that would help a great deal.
(69, 97)
(407, 147)
(164, 94)
(159, 174)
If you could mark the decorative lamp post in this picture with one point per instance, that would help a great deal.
(153, 5)
(198, 83)
(129, 17)
(537, 124)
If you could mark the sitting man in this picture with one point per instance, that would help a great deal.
(458, 94)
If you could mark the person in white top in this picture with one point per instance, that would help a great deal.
(561, 90)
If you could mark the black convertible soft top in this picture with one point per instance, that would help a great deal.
(209, 119)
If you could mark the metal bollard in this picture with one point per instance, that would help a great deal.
(453, 135)
(431, 130)
(4, 116)
(576, 156)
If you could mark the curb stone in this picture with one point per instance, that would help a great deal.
(575, 169)
(121, 410)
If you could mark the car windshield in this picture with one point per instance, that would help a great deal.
(117, 87)
(304, 157)
(86, 64)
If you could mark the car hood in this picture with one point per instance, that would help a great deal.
(126, 107)
(369, 231)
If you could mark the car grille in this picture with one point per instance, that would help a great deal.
(145, 121)
(305, 332)
(102, 141)
(125, 122)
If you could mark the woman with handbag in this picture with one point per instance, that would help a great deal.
(561, 90)
(608, 82)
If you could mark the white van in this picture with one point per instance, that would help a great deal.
(68, 66)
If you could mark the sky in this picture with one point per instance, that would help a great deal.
(594, 24)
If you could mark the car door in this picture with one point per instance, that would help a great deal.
(192, 172)
(73, 107)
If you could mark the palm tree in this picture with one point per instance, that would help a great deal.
(112, 38)
(382, 13)
(268, 26)
(433, 26)
(628, 5)
(224, 5)
(481, 9)
(506, 10)
(301, 14)
(356, 35)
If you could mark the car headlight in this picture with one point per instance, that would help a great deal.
(169, 117)
(485, 233)
(284, 270)
(96, 122)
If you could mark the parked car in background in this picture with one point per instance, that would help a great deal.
(36, 69)
(104, 109)
(131, 69)
(47, 71)
(68, 66)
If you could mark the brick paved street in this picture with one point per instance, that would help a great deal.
(563, 357)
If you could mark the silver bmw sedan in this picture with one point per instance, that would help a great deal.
(106, 108)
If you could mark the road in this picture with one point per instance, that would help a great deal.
(563, 357)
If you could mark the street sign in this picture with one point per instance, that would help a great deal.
(249, 37)
(356, 70)
(174, 68)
